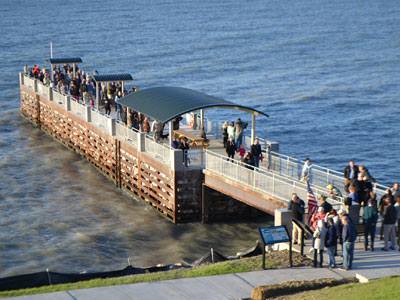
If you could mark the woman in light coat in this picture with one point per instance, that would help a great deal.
(231, 130)
(319, 243)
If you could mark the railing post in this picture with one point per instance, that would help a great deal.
(50, 93)
(35, 85)
(327, 176)
(67, 103)
(88, 114)
(111, 126)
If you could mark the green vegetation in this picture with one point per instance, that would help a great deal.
(385, 288)
(235, 266)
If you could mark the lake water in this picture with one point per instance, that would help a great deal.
(327, 73)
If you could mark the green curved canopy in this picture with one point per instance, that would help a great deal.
(168, 103)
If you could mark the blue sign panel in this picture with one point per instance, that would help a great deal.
(275, 234)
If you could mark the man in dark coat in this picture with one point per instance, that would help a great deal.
(350, 173)
(297, 207)
(231, 148)
(389, 219)
(255, 150)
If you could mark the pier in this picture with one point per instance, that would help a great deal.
(210, 188)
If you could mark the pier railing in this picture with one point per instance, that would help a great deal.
(160, 151)
(288, 166)
(270, 183)
(320, 176)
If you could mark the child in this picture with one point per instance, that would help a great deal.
(242, 152)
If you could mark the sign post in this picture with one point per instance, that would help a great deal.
(273, 235)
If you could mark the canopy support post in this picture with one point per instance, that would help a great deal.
(253, 127)
(171, 132)
(122, 87)
(52, 73)
(97, 94)
(73, 69)
(201, 118)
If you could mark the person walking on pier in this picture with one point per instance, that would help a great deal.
(350, 174)
(256, 151)
(370, 218)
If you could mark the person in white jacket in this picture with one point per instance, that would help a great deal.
(319, 243)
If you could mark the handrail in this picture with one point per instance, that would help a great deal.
(278, 186)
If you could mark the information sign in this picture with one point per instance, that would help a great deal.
(275, 234)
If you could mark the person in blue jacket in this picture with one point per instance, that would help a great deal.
(330, 242)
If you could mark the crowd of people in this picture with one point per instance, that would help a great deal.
(360, 208)
(232, 138)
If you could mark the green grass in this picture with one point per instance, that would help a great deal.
(385, 288)
(235, 266)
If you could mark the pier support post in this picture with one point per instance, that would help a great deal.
(141, 141)
(21, 78)
(111, 126)
(176, 160)
(88, 114)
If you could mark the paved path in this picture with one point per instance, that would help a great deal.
(370, 265)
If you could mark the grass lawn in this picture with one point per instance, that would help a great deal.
(385, 288)
(235, 266)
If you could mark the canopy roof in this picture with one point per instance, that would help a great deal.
(167, 103)
(72, 60)
(112, 77)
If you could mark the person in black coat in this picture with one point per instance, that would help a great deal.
(230, 148)
(350, 173)
(330, 242)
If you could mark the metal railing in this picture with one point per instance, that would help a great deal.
(196, 158)
(320, 176)
(280, 187)
(161, 151)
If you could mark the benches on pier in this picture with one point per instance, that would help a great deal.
(194, 140)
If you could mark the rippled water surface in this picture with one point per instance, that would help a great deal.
(327, 73)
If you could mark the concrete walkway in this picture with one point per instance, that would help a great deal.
(367, 265)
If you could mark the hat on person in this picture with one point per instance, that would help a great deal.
(321, 209)
(340, 211)
(329, 186)
(322, 197)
